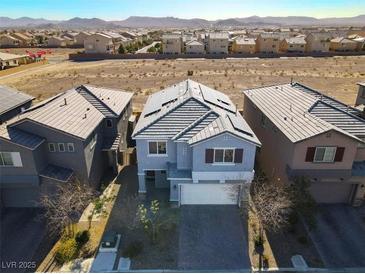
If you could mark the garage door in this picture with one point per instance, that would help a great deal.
(208, 194)
(324, 192)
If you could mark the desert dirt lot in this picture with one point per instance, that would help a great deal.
(335, 76)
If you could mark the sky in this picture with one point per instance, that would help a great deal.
(207, 9)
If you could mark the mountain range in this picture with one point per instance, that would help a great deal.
(173, 22)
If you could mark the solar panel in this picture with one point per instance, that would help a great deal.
(239, 124)
(217, 98)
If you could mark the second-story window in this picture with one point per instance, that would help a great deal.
(61, 147)
(325, 154)
(157, 148)
(109, 123)
(223, 155)
(10, 159)
(51, 147)
(70, 147)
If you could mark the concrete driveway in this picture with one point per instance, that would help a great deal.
(340, 236)
(24, 241)
(212, 238)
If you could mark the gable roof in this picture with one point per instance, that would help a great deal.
(11, 98)
(74, 112)
(304, 112)
(9, 56)
(184, 111)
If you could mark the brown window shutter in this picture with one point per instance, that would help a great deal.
(309, 157)
(209, 153)
(238, 155)
(339, 154)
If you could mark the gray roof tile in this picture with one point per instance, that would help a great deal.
(11, 98)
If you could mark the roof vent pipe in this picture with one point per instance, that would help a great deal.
(65, 100)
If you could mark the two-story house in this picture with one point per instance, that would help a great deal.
(318, 41)
(218, 42)
(78, 133)
(307, 134)
(172, 43)
(293, 44)
(269, 42)
(192, 140)
(99, 43)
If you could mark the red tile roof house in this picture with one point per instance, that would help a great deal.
(305, 133)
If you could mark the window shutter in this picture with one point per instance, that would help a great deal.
(310, 154)
(339, 154)
(238, 155)
(209, 155)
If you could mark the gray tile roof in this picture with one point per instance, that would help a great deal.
(57, 173)
(184, 111)
(20, 137)
(73, 112)
(301, 112)
(11, 98)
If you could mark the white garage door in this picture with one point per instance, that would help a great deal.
(208, 194)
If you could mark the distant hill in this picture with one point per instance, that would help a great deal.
(173, 22)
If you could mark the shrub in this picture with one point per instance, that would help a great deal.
(133, 249)
(82, 237)
(190, 73)
(66, 251)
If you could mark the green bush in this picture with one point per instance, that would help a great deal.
(133, 249)
(82, 237)
(67, 251)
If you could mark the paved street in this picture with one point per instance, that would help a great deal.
(340, 236)
(212, 238)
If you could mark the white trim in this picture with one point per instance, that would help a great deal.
(54, 147)
(178, 179)
(64, 147)
(73, 147)
(225, 132)
(223, 175)
(157, 154)
(325, 149)
(224, 151)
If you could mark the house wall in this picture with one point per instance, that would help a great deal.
(172, 46)
(243, 48)
(268, 45)
(276, 151)
(286, 47)
(316, 45)
(195, 49)
(184, 156)
(223, 141)
(360, 99)
(217, 45)
(7, 41)
(343, 46)
(98, 44)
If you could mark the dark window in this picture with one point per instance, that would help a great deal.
(339, 154)
(218, 155)
(109, 123)
(61, 147)
(152, 147)
(209, 153)
(51, 147)
(310, 154)
(238, 155)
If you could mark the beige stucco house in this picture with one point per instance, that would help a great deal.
(55, 41)
(99, 43)
(24, 39)
(218, 42)
(343, 44)
(80, 38)
(8, 41)
(244, 45)
(268, 42)
(194, 47)
(172, 43)
(293, 44)
(309, 136)
(318, 41)
(8, 60)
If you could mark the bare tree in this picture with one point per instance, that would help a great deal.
(272, 204)
(64, 207)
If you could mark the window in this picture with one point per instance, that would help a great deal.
(51, 147)
(70, 147)
(109, 123)
(325, 154)
(10, 159)
(61, 147)
(224, 155)
(157, 148)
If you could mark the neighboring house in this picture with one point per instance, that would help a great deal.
(342, 44)
(244, 45)
(192, 140)
(8, 41)
(24, 40)
(12, 103)
(56, 42)
(360, 42)
(8, 60)
(194, 47)
(80, 38)
(360, 99)
(293, 44)
(172, 43)
(318, 41)
(268, 42)
(217, 42)
(310, 135)
(79, 133)
(99, 43)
